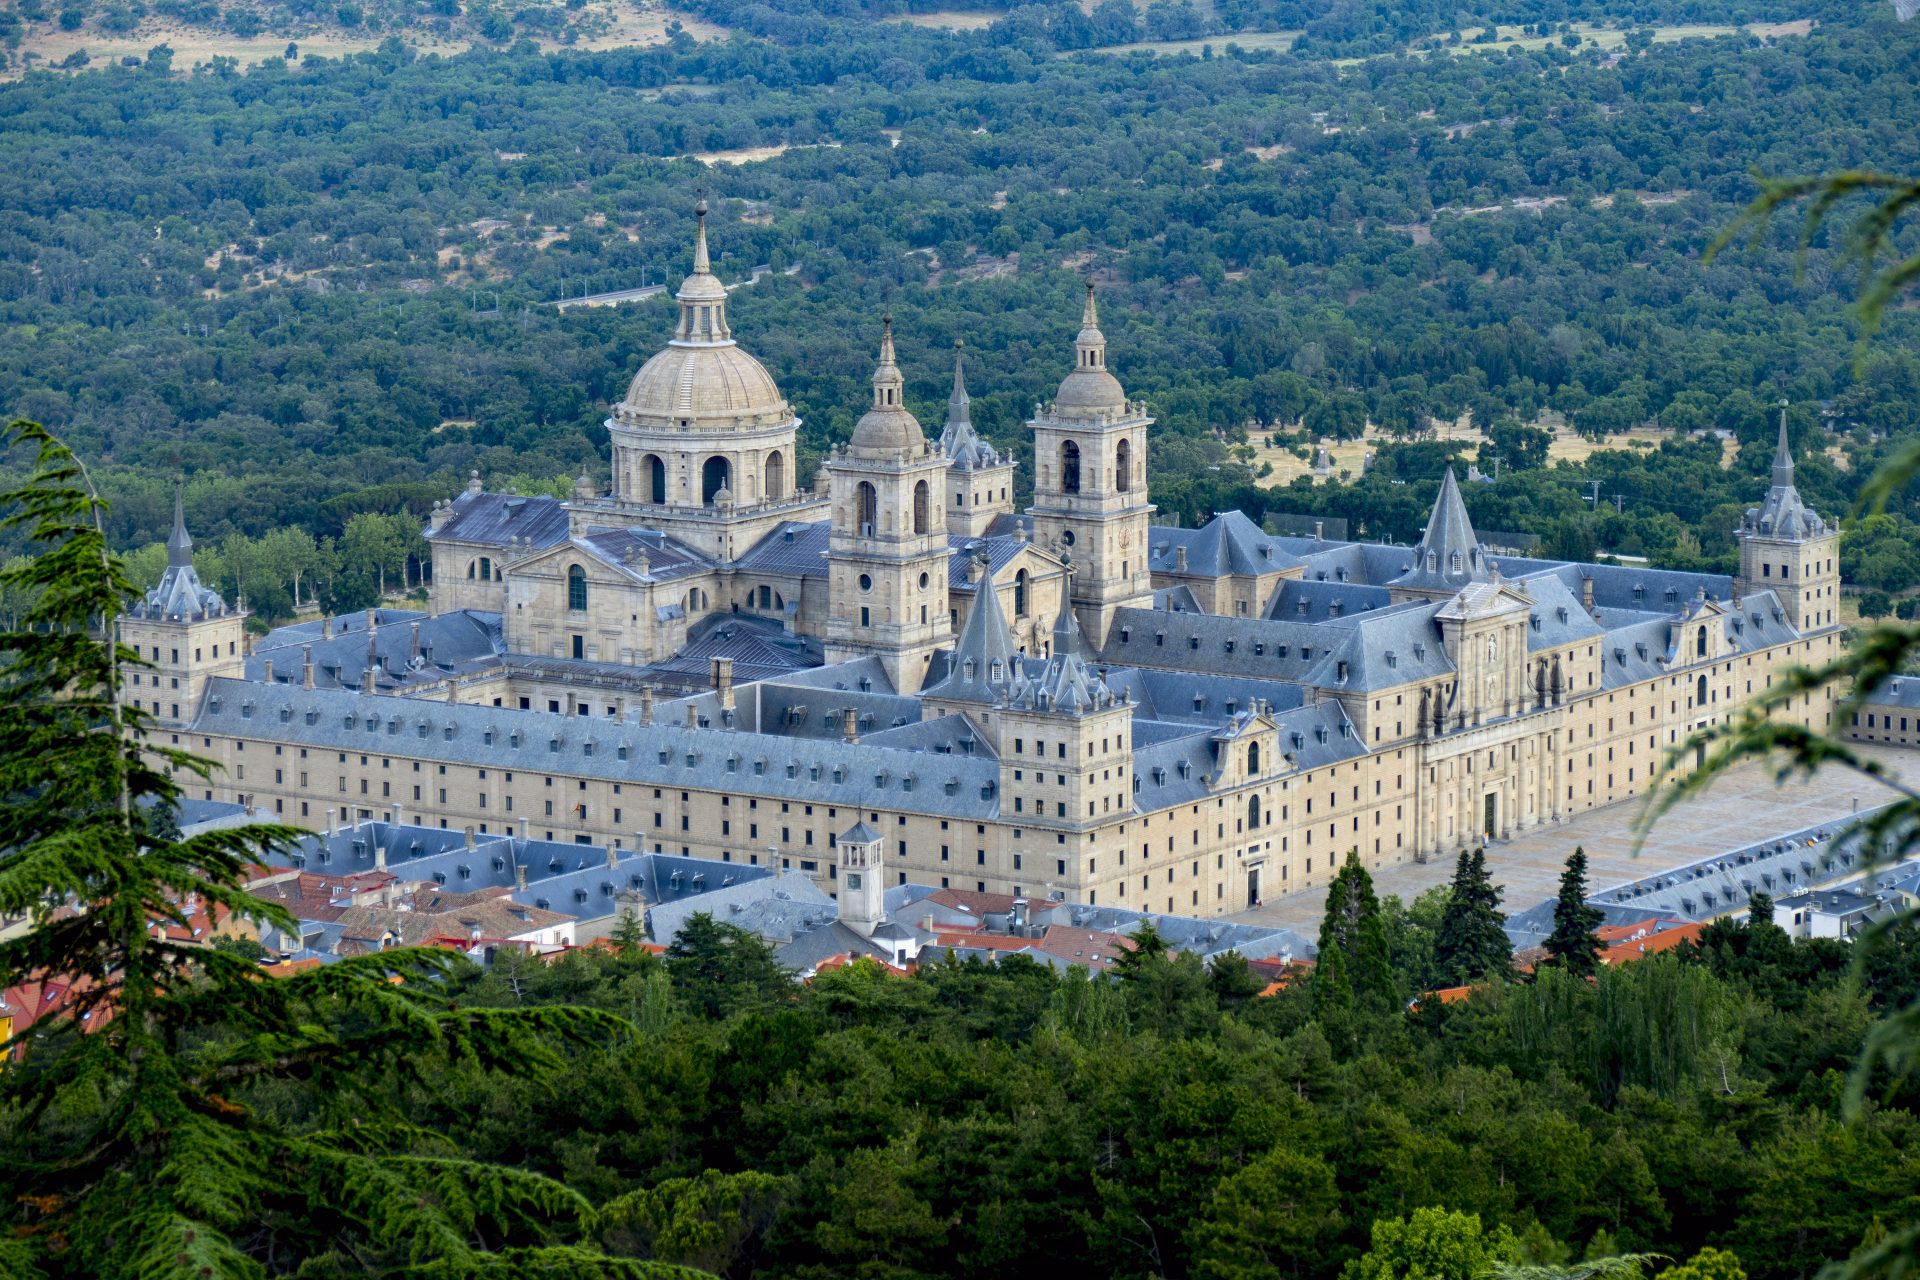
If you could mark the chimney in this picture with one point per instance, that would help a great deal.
(1586, 592)
(453, 691)
(330, 814)
(646, 704)
(1319, 530)
(470, 843)
(413, 641)
(850, 724)
(693, 716)
(1180, 559)
(723, 682)
(613, 857)
(267, 672)
(306, 666)
(366, 679)
(620, 708)
(373, 621)
(520, 876)
(326, 628)
(523, 828)
(395, 819)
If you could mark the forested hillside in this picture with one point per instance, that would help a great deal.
(317, 285)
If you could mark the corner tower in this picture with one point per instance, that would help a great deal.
(1090, 483)
(184, 632)
(1786, 548)
(979, 479)
(887, 553)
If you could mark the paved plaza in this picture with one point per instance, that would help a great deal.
(1743, 807)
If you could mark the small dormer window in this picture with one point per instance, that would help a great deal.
(1340, 672)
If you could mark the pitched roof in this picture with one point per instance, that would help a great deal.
(1448, 555)
(496, 519)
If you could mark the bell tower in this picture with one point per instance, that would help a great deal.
(1786, 548)
(887, 552)
(1090, 483)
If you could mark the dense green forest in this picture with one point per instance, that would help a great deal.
(316, 286)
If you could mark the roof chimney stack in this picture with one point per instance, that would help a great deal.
(723, 682)
(306, 666)
(470, 841)
(646, 704)
(266, 673)
(850, 724)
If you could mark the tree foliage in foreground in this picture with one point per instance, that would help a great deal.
(136, 1144)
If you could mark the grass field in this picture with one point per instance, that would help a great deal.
(950, 19)
(1616, 38)
(751, 155)
(1346, 455)
(1168, 48)
(631, 25)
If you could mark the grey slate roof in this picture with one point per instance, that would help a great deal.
(981, 668)
(1448, 555)
(1229, 543)
(1299, 600)
(1901, 691)
(1781, 514)
(450, 644)
(794, 548)
(644, 555)
(779, 906)
(997, 552)
(828, 772)
(958, 440)
(496, 519)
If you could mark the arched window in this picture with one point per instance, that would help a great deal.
(866, 509)
(1700, 645)
(1700, 698)
(473, 568)
(1253, 813)
(576, 588)
(1123, 466)
(696, 600)
(1020, 594)
(920, 503)
(715, 476)
(776, 476)
(1070, 467)
(1253, 760)
(656, 470)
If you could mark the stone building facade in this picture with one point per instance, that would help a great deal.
(1064, 701)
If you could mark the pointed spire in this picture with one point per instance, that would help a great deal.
(179, 544)
(1448, 555)
(1090, 314)
(1783, 455)
(702, 298)
(887, 425)
(887, 382)
(983, 661)
(1068, 641)
(959, 404)
(1090, 345)
(701, 266)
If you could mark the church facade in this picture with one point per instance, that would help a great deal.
(701, 655)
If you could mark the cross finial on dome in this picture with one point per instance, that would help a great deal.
(701, 265)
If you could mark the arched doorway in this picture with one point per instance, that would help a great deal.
(776, 476)
(716, 475)
(654, 471)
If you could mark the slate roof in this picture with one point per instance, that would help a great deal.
(1448, 555)
(450, 644)
(1901, 691)
(997, 552)
(1298, 600)
(981, 668)
(1781, 514)
(495, 519)
(1229, 543)
(829, 772)
(958, 440)
(644, 555)
(794, 548)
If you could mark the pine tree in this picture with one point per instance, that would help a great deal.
(1574, 944)
(1352, 969)
(132, 1142)
(1472, 945)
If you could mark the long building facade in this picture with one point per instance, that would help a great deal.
(703, 658)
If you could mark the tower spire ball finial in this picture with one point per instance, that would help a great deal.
(179, 543)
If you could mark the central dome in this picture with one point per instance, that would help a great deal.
(707, 387)
(702, 380)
